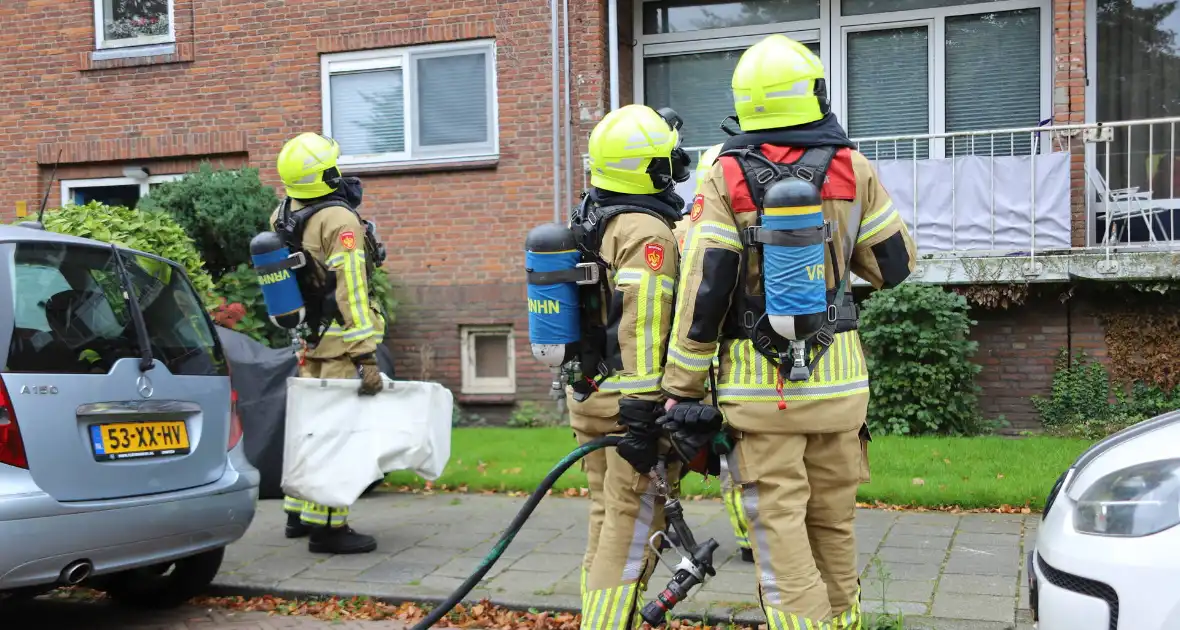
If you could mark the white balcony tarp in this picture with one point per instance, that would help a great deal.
(980, 203)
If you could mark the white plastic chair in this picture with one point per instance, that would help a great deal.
(1122, 204)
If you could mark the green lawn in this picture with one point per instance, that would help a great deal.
(927, 471)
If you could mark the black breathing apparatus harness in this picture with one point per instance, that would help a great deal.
(318, 284)
(748, 319)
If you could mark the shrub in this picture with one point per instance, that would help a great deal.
(918, 353)
(1080, 402)
(242, 298)
(148, 231)
(220, 209)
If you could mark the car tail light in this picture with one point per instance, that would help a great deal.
(235, 423)
(12, 447)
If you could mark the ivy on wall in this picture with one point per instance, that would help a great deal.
(1142, 324)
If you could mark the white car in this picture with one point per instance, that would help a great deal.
(1107, 554)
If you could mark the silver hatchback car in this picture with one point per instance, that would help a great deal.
(121, 464)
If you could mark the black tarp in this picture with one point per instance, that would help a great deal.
(259, 375)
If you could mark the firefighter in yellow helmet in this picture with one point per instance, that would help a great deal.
(625, 221)
(788, 212)
(320, 218)
(730, 493)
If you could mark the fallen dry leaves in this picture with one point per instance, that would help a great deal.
(875, 505)
(483, 615)
(952, 509)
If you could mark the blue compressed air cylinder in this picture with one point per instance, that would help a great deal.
(793, 275)
(554, 315)
(280, 289)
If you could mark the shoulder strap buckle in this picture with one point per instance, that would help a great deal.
(805, 173)
(765, 176)
(750, 235)
(592, 273)
(824, 337)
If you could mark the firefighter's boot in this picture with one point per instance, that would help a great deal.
(340, 540)
(296, 528)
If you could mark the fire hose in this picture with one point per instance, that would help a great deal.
(695, 565)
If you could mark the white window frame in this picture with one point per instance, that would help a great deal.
(936, 18)
(405, 59)
(933, 112)
(68, 185)
(102, 43)
(831, 32)
(471, 384)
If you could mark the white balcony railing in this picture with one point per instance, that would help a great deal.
(1031, 191)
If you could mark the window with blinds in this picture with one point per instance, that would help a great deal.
(368, 111)
(977, 97)
(428, 103)
(452, 100)
(697, 86)
(889, 90)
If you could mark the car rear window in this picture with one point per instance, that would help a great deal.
(70, 316)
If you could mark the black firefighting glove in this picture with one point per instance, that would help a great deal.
(640, 444)
(366, 369)
(692, 427)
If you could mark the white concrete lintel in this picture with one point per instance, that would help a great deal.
(1067, 266)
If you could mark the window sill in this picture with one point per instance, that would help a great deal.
(486, 399)
(421, 166)
(155, 54)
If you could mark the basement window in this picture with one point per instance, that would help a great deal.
(422, 105)
(124, 24)
(488, 359)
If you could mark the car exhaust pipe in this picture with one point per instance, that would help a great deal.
(75, 572)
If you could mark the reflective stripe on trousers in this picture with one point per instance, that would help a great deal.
(314, 513)
(731, 494)
(749, 376)
(851, 618)
(611, 608)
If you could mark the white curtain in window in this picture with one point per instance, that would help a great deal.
(993, 79)
(889, 88)
(368, 112)
(452, 105)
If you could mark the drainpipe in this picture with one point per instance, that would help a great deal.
(569, 114)
(612, 49)
(556, 115)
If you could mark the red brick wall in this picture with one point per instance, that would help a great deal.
(1069, 96)
(1018, 347)
(246, 77)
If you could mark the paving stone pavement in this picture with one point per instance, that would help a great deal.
(943, 571)
(59, 615)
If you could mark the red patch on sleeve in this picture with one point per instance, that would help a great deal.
(698, 206)
(654, 254)
(348, 240)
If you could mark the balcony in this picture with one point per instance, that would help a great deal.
(1041, 204)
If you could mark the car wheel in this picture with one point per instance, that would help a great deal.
(165, 585)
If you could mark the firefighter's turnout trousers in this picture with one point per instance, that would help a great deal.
(625, 511)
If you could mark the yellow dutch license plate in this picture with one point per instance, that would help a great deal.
(128, 440)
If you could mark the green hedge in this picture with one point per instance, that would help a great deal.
(148, 231)
(220, 209)
(921, 378)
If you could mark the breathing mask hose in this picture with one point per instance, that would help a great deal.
(510, 533)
